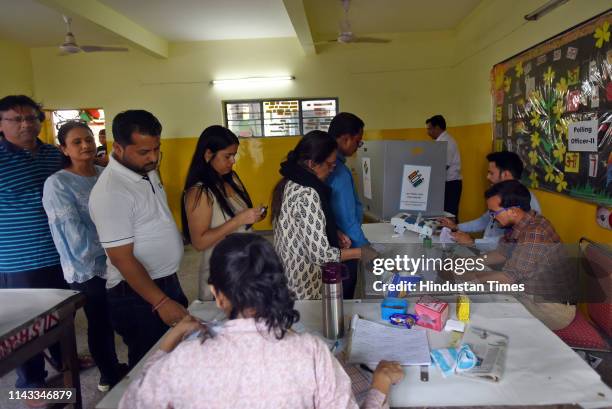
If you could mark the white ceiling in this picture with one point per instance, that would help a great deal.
(199, 20)
(387, 16)
(33, 24)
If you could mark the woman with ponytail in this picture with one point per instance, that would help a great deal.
(215, 202)
(254, 360)
(305, 233)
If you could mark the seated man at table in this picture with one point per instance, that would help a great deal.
(502, 166)
(531, 255)
(254, 359)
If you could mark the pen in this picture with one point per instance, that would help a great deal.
(366, 368)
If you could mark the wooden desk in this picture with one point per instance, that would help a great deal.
(31, 320)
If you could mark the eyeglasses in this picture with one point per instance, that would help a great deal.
(494, 214)
(19, 119)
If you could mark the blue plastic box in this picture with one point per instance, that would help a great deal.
(391, 306)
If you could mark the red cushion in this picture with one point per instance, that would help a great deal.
(581, 334)
(601, 314)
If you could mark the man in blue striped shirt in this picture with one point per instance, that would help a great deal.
(28, 258)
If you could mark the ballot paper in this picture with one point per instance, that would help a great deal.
(372, 342)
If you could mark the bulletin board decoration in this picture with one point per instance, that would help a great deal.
(552, 105)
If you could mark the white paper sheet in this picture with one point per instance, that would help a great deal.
(372, 342)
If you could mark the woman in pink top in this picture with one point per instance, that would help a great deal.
(254, 360)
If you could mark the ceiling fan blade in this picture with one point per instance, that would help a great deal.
(98, 48)
(370, 40)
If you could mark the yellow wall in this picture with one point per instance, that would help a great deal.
(15, 69)
(393, 87)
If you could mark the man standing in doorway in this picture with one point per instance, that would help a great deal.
(129, 208)
(28, 258)
(436, 129)
(347, 130)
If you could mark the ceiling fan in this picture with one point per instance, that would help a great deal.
(346, 35)
(70, 46)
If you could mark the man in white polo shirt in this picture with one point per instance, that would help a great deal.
(436, 129)
(129, 208)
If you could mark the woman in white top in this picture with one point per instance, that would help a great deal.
(305, 232)
(215, 202)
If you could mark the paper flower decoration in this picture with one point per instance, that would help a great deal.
(559, 109)
(549, 177)
(499, 79)
(518, 69)
(562, 86)
(534, 180)
(535, 120)
(602, 34)
(535, 139)
(559, 152)
(533, 157)
(507, 83)
(561, 183)
(561, 127)
(549, 76)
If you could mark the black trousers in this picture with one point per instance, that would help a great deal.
(100, 335)
(133, 319)
(452, 195)
(32, 373)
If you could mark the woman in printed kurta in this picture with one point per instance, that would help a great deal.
(305, 233)
(254, 360)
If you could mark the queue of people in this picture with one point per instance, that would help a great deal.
(68, 222)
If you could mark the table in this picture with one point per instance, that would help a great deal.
(33, 319)
(389, 244)
(540, 368)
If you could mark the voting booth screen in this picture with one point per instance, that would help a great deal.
(552, 105)
(401, 176)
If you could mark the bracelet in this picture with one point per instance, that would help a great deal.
(160, 303)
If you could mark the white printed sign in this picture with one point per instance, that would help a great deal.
(366, 170)
(415, 187)
(582, 136)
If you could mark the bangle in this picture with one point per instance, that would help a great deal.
(160, 303)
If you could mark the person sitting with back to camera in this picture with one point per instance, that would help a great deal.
(254, 359)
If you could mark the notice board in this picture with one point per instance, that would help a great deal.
(552, 105)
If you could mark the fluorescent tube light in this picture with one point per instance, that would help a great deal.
(250, 80)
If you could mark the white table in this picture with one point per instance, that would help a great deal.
(390, 244)
(33, 319)
(540, 368)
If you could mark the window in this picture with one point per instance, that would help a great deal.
(279, 117)
(93, 117)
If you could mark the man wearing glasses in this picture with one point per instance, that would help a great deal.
(28, 258)
(347, 129)
(502, 166)
(531, 254)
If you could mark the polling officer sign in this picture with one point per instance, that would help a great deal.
(582, 136)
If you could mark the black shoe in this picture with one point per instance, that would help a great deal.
(105, 385)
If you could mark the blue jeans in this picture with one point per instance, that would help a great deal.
(100, 335)
(133, 319)
(32, 373)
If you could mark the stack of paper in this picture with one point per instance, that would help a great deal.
(372, 342)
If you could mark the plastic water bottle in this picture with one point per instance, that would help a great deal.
(333, 311)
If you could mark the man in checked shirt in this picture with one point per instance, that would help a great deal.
(531, 255)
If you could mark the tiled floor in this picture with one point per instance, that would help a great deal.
(188, 276)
